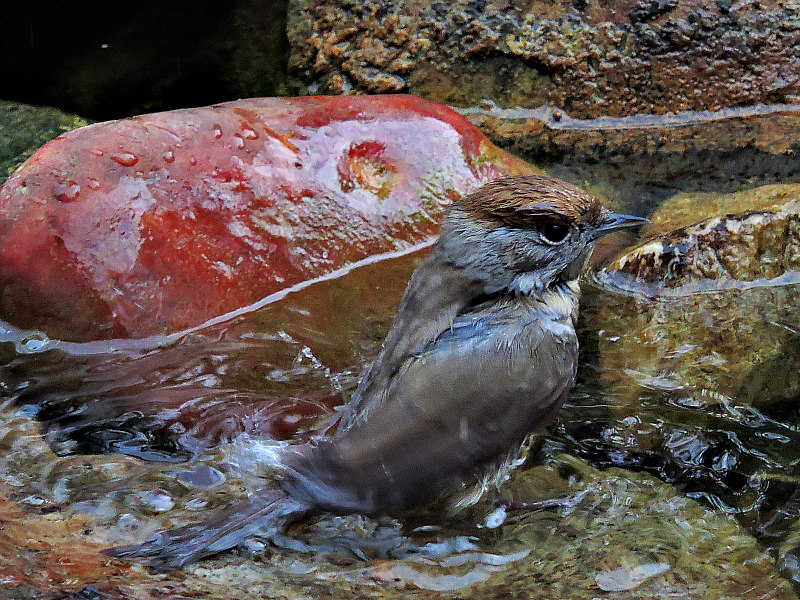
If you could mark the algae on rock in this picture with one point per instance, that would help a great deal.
(24, 128)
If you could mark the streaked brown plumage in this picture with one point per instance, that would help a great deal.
(529, 198)
(482, 351)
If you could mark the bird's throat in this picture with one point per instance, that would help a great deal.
(559, 299)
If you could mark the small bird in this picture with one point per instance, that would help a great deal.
(482, 351)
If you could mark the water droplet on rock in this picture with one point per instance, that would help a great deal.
(68, 192)
(126, 159)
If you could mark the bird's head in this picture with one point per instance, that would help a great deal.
(525, 233)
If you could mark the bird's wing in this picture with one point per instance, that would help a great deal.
(435, 296)
(450, 411)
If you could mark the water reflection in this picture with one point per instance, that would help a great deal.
(701, 391)
(269, 374)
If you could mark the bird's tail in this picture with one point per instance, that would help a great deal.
(265, 514)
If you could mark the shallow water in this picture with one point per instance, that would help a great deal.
(679, 400)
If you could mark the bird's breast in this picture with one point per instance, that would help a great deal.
(452, 410)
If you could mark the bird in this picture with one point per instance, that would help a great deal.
(481, 353)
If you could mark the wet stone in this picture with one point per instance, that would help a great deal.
(132, 215)
(201, 476)
(641, 161)
(754, 247)
(590, 58)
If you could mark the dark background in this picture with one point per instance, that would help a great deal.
(106, 60)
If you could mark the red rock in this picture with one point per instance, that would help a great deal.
(49, 556)
(160, 222)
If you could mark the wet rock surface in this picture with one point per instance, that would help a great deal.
(699, 363)
(588, 58)
(643, 160)
(709, 327)
(109, 230)
(754, 241)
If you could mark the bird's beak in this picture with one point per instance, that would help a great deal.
(613, 221)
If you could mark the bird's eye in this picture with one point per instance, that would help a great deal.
(555, 233)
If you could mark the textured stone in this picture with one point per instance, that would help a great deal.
(590, 58)
(751, 239)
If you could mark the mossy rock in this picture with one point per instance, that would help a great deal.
(24, 128)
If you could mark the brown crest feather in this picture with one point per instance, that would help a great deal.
(525, 200)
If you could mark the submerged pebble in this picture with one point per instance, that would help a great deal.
(201, 476)
(622, 579)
